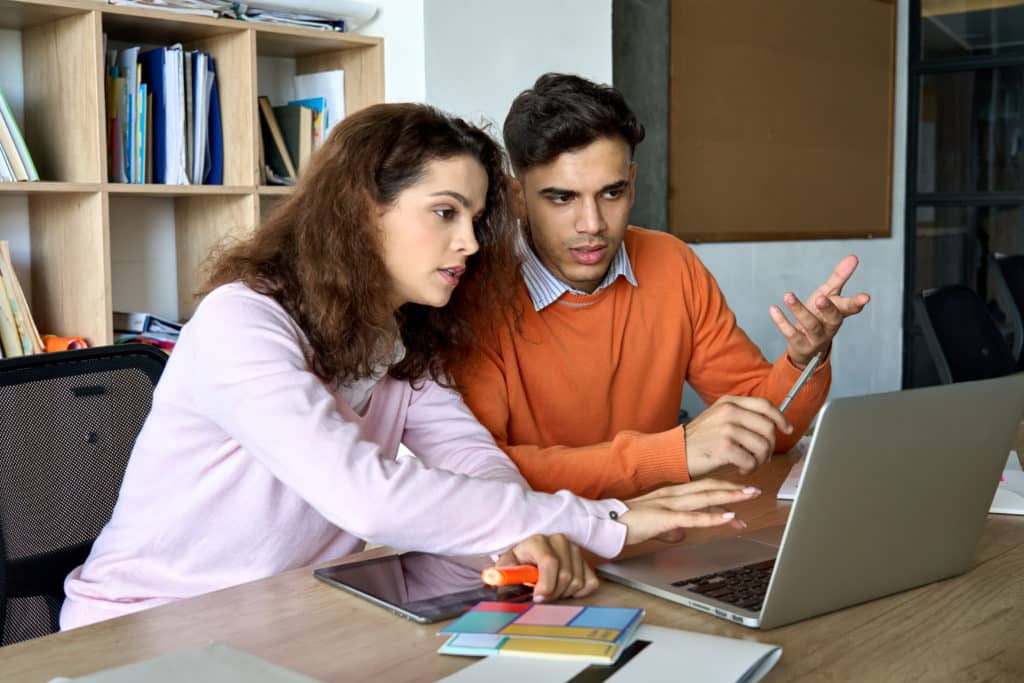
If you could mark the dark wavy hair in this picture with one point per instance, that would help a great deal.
(562, 113)
(318, 253)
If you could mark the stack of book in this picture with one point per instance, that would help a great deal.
(146, 328)
(163, 117)
(15, 161)
(18, 333)
(592, 634)
(291, 133)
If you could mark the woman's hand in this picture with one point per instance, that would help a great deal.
(666, 512)
(562, 571)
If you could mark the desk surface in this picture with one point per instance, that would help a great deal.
(965, 628)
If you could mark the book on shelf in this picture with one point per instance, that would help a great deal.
(278, 159)
(319, 107)
(590, 634)
(18, 333)
(17, 162)
(296, 124)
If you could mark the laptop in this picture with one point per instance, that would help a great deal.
(894, 494)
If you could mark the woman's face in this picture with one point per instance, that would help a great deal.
(428, 232)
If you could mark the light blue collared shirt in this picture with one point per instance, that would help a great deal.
(545, 288)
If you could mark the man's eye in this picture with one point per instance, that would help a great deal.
(561, 198)
(613, 194)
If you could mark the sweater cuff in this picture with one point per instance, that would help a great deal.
(661, 458)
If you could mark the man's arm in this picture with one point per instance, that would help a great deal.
(628, 464)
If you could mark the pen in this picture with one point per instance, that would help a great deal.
(503, 576)
(813, 363)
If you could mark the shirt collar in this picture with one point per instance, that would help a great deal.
(545, 288)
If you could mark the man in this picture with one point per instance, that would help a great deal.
(584, 392)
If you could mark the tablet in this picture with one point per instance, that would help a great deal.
(422, 587)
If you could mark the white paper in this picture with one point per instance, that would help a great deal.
(354, 13)
(327, 84)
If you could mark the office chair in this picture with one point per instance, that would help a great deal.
(962, 337)
(1008, 278)
(68, 422)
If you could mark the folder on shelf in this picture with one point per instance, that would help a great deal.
(319, 107)
(296, 124)
(274, 147)
(329, 85)
(163, 73)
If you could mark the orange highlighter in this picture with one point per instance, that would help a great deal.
(505, 576)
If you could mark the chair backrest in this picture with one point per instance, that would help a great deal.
(963, 339)
(68, 422)
(1009, 278)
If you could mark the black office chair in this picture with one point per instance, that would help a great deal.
(1008, 278)
(68, 422)
(964, 340)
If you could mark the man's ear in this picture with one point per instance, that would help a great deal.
(517, 197)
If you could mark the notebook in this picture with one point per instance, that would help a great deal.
(592, 634)
(657, 654)
(887, 502)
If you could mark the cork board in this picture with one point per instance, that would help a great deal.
(780, 119)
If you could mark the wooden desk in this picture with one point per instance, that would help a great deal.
(966, 628)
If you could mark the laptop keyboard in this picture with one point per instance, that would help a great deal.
(744, 586)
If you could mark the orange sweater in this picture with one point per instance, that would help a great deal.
(586, 395)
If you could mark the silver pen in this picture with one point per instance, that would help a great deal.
(813, 363)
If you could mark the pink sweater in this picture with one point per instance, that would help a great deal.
(248, 465)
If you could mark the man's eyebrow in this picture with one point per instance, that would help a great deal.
(556, 191)
(615, 186)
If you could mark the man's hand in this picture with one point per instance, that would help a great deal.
(562, 571)
(816, 324)
(666, 512)
(735, 430)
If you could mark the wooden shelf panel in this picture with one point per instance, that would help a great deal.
(21, 15)
(47, 187)
(284, 41)
(150, 190)
(275, 190)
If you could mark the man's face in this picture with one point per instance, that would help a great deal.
(578, 208)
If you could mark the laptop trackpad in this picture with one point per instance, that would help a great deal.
(689, 561)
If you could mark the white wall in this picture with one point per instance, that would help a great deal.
(867, 356)
(481, 54)
(400, 23)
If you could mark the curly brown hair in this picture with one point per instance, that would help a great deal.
(318, 253)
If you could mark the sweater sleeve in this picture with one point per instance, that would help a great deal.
(258, 389)
(629, 463)
(725, 361)
(443, 433)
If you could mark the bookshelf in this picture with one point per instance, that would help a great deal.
(70, 211)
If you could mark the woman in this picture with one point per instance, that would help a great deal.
(325, 339)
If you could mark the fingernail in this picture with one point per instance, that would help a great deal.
(751, 489)
(741, 524)
(728, 515)
(538, 598)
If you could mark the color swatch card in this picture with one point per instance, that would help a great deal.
(595, 634)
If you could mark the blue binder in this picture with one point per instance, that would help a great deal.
(153, 75)
(215, 135)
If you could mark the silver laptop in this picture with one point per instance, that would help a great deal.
(894, 493)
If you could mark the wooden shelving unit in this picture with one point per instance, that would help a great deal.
(69, 212)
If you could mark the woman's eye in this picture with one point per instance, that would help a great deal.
(445, 213)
